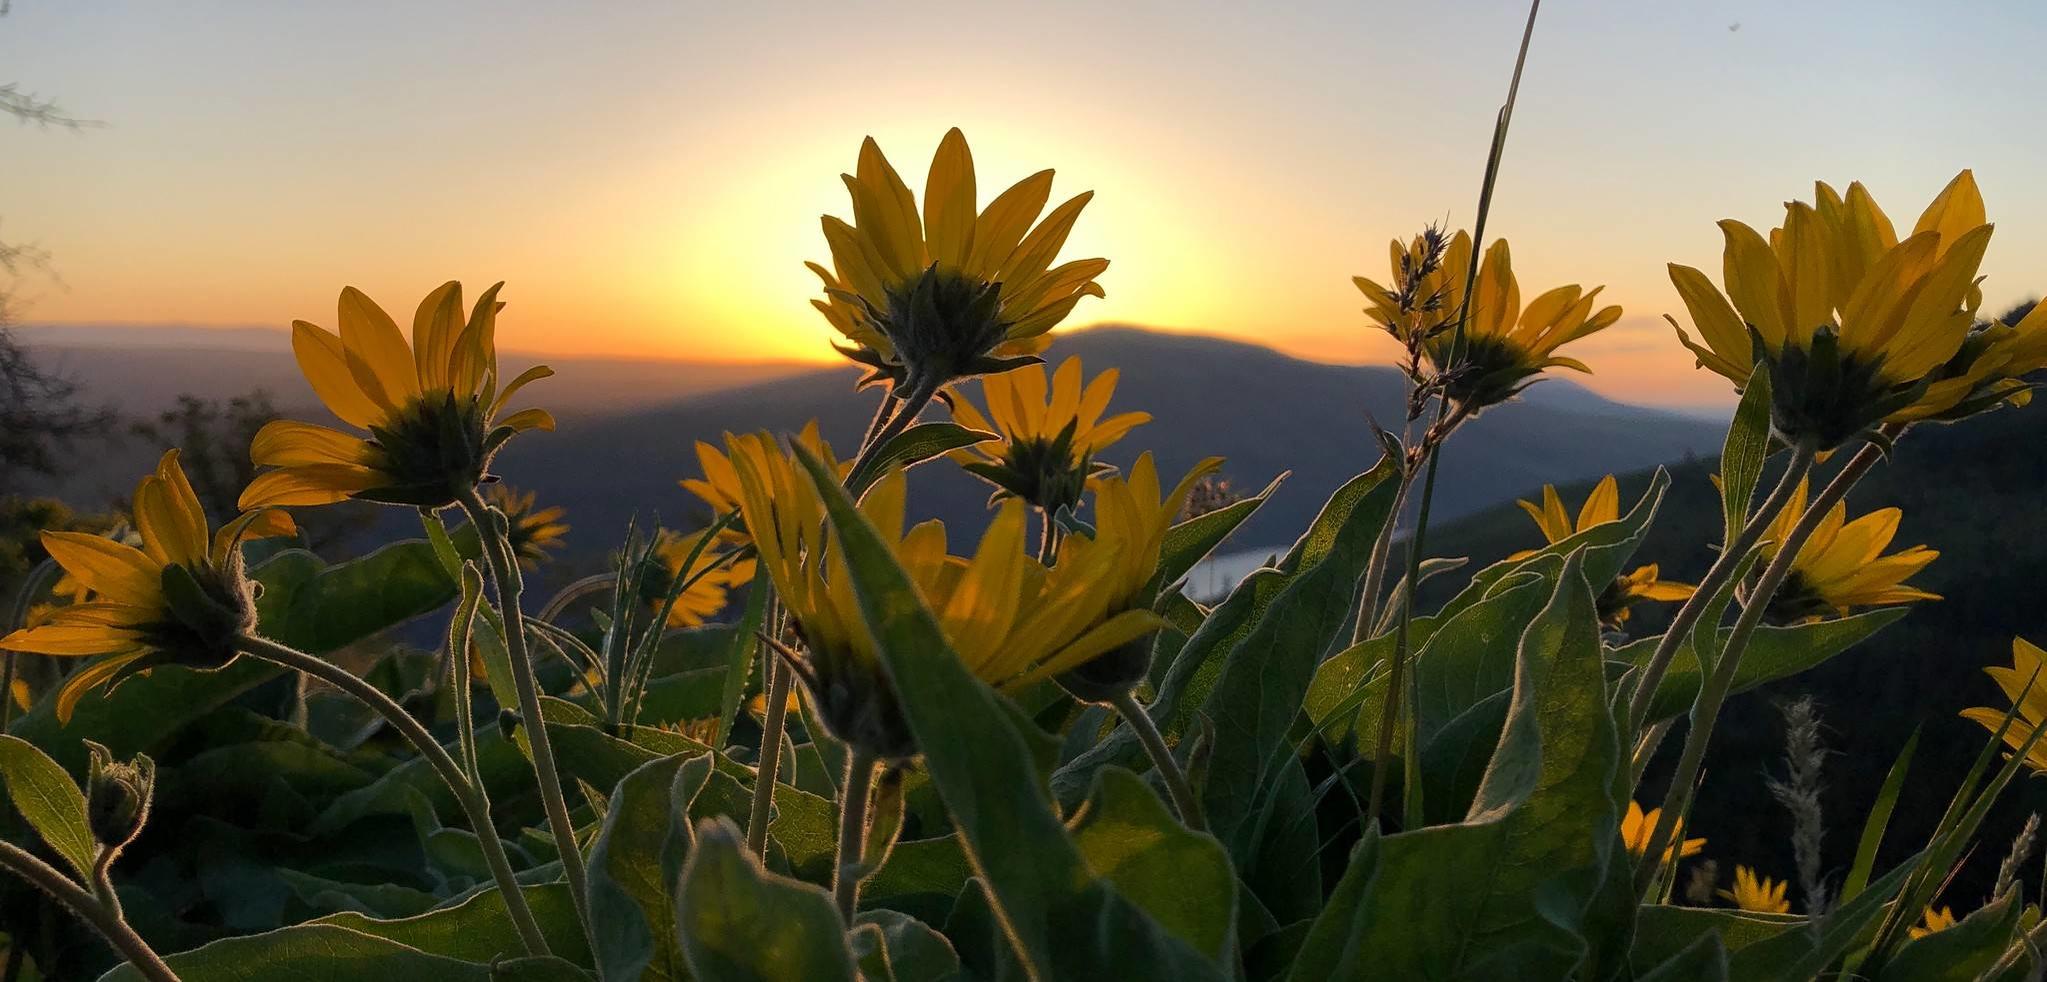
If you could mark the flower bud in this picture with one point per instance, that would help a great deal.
(117, 796)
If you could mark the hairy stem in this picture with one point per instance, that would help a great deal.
(772, 727)
(504, 570)
(853, 798)
(1713, 694)
(1184, 799)
(103, 918)
(905, 414)
(1724, 565)
(475, 806)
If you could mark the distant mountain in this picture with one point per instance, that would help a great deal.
(1264, 411)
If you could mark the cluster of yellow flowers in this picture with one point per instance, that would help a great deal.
(1862, 333)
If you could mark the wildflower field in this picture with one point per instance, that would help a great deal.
(824, 737)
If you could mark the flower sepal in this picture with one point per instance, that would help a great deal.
(1827, 397)
(1105, 678)
(857, 703)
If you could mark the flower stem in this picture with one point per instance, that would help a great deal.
(1397, 701)
(1375, 569)
(853, 797)
(765, 775)
(91, 909)
(1184, 799)
(475, 805)
(905, 414)
(1713, 694)
(1729, 560)
(505, 571)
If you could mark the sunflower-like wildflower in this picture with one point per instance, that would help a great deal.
(1858, 327)
(1601, 506)
(719, 488)
(1758, 893)
(431, 407)
(710, 577)
(1505, 345)
(2025, 688)
(534, 532)
(1130, 523)
(1011, 621)
(180, 599)
(927, 297)
(1049, 439)
(1933, 922)
(1638, 825)
(1842, 566)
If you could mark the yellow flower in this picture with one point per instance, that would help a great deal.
(179, 599)
(719, 487)
(1129, 536)
(2023, 690)
(431, 407)
(1505, 343)
(1601, 506)
(1637, 826)
(1842, 565)
(1758, 893)
(708, 576)
(1049, 440)
(1934, 922)
(1859, 327)
(1010, 621)
(535, 531)
(929, 297)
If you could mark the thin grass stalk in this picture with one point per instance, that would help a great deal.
(1396, 690)
(852, 846)
(475, 807)
(1185, 801)
(1724, 566)
(1713, 694)
(37, 583)
(102, 917)
(505, 570)
(1375, 568)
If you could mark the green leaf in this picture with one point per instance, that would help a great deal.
(1963, 952)
(986, 769)
(478, 929)
(53, 805)
(1608, 547)
(740, 922)
(1265, 677)
(1704, 960)
(1664, 931)
(350, 601)
(1190, 542)
(328, 953)
(1773, 653)
(1502, 894)
(914, 951)
(1127, 835)
(913, 446)
(1742, 456)
(1879, 819)
(1795, 956)
(1190, 680)
(635, 865)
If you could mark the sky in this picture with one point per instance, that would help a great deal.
(647, 177)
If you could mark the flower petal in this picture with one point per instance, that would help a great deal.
(120, 573)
